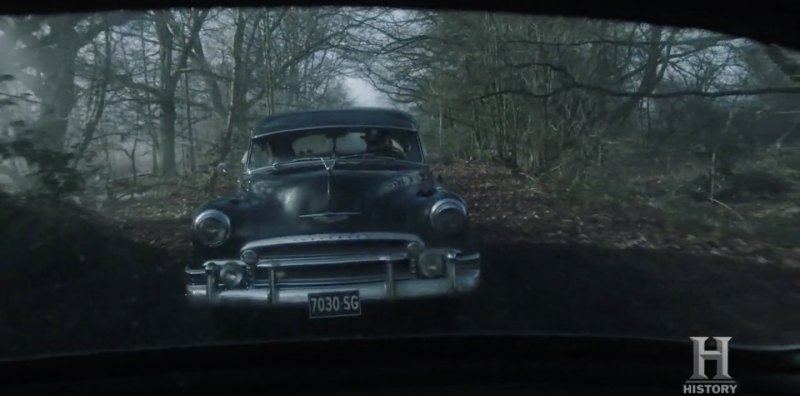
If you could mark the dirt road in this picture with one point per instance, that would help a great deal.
(131, 296)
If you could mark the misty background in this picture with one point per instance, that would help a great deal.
(694, 125)
(361, 93)
(625, 178)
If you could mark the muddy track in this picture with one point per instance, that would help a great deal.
(635, 292)
(130, 295)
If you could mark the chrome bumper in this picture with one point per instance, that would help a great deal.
(462, 274)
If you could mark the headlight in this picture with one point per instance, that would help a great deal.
(212, 227)
(449, 216)
(431, 264)
(231, 274)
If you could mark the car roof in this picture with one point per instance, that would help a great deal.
(357, 116)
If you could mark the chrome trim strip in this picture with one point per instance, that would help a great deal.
(447, 203)
(328, 214)
(195, 290)
(390, 287)
(331, 281)
(273, 287)
(329, 259)
(332, 237)
(443, 205)
(211, 281)
(248, 152)
(208, 263)
(469, 257)
(450, 264)
(421, 149)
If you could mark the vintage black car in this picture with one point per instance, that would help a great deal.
(334, 207)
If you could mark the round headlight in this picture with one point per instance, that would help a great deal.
(231, 274)
(431, 264)
(212, 227)
(449, 216)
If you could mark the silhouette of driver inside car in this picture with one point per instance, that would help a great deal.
(379, 143)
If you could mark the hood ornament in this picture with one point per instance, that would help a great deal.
(329, 216)
(329, 168)
(328, 165)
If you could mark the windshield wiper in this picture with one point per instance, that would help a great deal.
(335, 157)
(295, 160)
(367, 154)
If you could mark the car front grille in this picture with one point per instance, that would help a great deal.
(328, 259)
(328, 249)
(333, 274)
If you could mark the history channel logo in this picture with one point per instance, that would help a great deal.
(699, 383)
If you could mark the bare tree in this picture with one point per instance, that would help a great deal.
(44, 50)
(171, 39)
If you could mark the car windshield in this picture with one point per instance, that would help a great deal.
(295, 146)
(440, 172)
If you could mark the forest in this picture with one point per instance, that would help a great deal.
(692, 126)
(558, 131)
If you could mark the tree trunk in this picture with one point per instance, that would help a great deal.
(57, 93)
(189, 128)
(652, 76)
(53, 83)
(169, 76)
(133, 160)
(110, 174)
(199, 57)
(91, 126)
(238, 96)
(440, 127)
(51, 53)
(166, 122)
(156, 151)
(167, 127)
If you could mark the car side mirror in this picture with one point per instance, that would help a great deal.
(224, 168)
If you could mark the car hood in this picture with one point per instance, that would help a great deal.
(391, 196)
(358, 189)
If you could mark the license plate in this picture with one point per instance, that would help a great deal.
(333, 304)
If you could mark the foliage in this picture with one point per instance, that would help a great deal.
(687, 128)
(53, 176)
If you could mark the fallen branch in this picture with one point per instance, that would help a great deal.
(533, 179)
(20, 97)
(729, 208)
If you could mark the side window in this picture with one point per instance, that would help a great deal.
(260, 155)
(413, 149)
